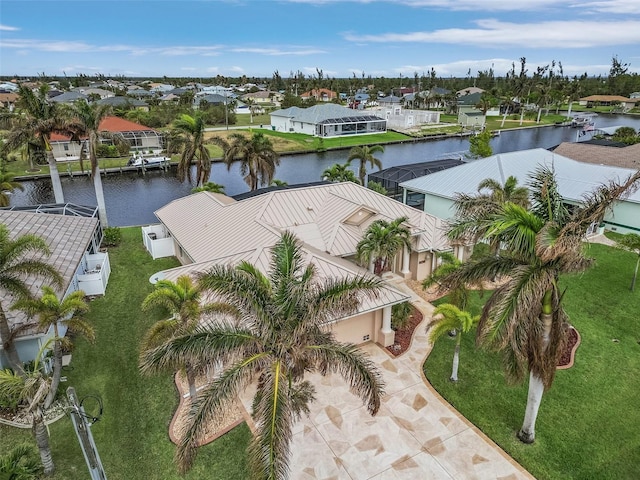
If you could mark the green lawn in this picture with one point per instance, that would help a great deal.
(132, 436)
(588, 422)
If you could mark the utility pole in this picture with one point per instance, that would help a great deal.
(85, 438)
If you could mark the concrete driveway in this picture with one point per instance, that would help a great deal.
(415, 435)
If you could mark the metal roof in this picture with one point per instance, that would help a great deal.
(326, 113)
(575, 179)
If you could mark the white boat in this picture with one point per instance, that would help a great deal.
(156, 161)
(583, 119)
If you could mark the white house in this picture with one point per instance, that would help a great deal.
(327, 120)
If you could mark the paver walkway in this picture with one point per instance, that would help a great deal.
(415, 435)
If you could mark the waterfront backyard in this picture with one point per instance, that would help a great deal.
(586, 427)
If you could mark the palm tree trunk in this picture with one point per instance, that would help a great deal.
(527, 433)
(456, 359)
(42, 441)
(191, 379)
(569, 112)
(102, 207)
(55, 177)
(57, 373)
(9, 346)
(635, 275)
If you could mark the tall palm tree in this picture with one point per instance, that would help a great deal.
(20, 463)
(258, 160)
(192, 130)
(51, 313)
(449, 318)
(20, 259)
(281, 336)
(458, 294)
(631, 243)
(524, 318)
(7, 185)
(30, 390)
(89, 117)
(184, 301)
(38, 119)
(340, 173)
(365, 155)
(381, 243)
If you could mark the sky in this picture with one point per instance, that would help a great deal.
(390, 38)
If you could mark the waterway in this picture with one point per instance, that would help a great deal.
(132, 198)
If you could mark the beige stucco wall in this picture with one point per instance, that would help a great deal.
(420, 265)
(181, 254)
(356, 329)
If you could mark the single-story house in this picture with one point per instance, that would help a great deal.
(327, 120)
(140, 138)
(469, 91)
(124, 102)
(400, 117)
(73, 234)
(320, 94)
(264, 97)
(101, 92)
(604, 100)
(8, 100)
(205, 229)
(435, 193)
(211, 99)
(69, 97)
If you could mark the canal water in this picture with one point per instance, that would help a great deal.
(132, 198)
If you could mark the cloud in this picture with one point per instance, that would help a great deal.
(8, 28)
(461, 5)
(494, 33)
(278, 52)
(624, 7)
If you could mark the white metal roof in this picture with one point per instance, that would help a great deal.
(575, 179)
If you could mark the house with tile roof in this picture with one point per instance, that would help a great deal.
(435, 193)
(327, 120)
(206, 229)
(604, 100)
(73, 235)
(139, 137)
(320, 95)
(614, 155)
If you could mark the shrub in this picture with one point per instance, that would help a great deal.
(111, 236)
(400, 315)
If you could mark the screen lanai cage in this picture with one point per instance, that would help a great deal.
(391, 178)
(143, 140)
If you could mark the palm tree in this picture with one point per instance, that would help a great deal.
(524, 318)
(20, 463)
(20, 259)
(192, 130)
(89, 117)
(365, 154)
(631, 243)
(474, 212)
(51, 313)
(340, 173)
(30, 390)
(183, 300)
(458, 294)
(7, 185)
(281, 336)
(258, 160)
(209, 187)
(39, 119)
(451, 319)
(381, 243)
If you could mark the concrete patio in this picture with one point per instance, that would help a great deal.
(415, 435)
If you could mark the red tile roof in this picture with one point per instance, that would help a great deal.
(109, 124)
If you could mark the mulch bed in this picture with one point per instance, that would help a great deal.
(404, 335)
(573, 340)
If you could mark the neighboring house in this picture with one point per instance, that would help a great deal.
(160, 88)
(633, 96)
(264, 97)
(327, 120)
(319, 94)
(8, 100)
(469, 115)
(140, 138)
(469, 91)
(627, 156)
(140, 93)
(124, 102)
(401, 118)
(436, 192)
(605, 100)
(390, 101)
(211, 99)
(170, 97)
(102, 93)
(69, 97)
(206, 229)
(73, 235)
(10, 86)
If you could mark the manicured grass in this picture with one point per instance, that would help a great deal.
(588, 422)
(132, 435)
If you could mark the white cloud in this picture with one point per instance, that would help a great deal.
(626, 7)
(8, 28)
(278, 52)
(494, 33)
